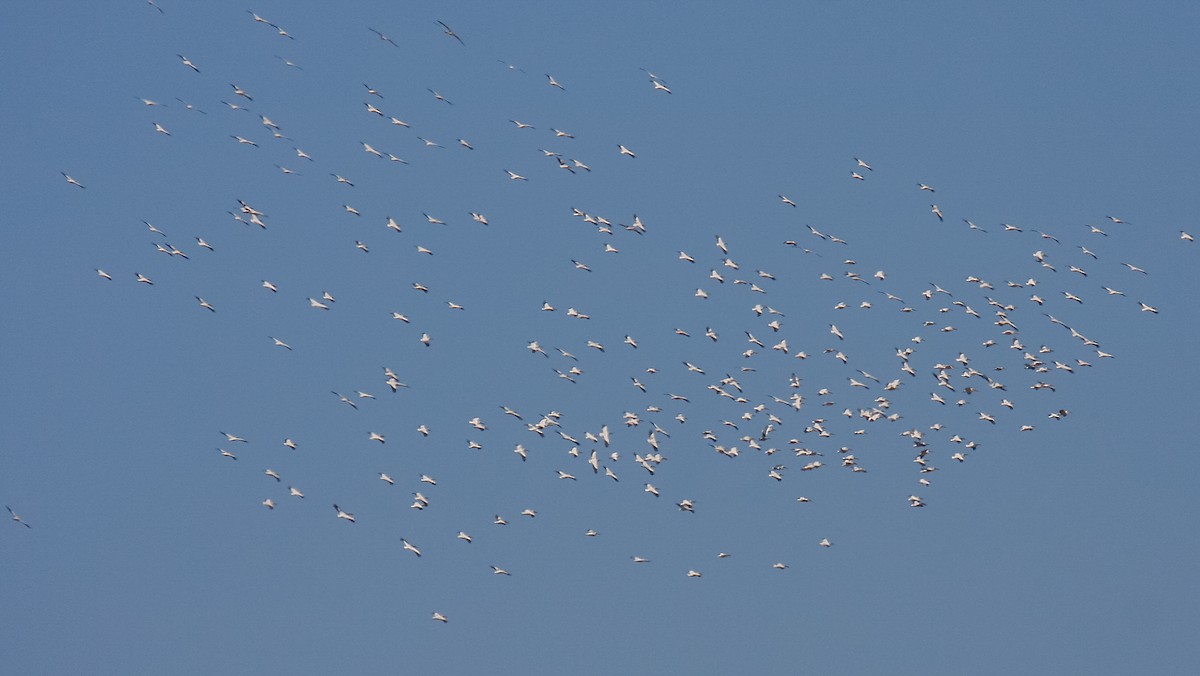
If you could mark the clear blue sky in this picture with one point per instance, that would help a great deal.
(1069, 548)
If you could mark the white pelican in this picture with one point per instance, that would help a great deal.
(409, 548)
(16, 518)
(626, 151)
(72, 181)
(341, 514)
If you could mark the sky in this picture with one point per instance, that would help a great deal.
(1054, 292)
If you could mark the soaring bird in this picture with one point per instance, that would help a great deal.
(450, 32)
(342, 514)
(16, 517)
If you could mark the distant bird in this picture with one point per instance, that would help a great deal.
(438, 617)
(922, 186)
(409, 548)
(16, 518)
(72, 181)
(499, 571)
(936, 211)
(626, 151)
(384, 37)
(450, 32)
(554, 83)
(342, 514)
(187, 62)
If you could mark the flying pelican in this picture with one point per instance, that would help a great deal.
(626, 151)
(16, 518)
(72, 181)
(384, 38)
(341, 514)
(409, 548)
(554, 83)
(450, 32)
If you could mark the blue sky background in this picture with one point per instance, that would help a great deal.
(1067, 549)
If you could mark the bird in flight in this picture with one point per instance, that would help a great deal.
(72, 181)
(16, 518)
(383, 37)
(450, 32)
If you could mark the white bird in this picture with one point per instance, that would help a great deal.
(72, 181)
(409, 548)
(387, 479)
(515, 176)
(280, 343)
(268, 503)
(103, 274)
(554, 83)
(342, 514)
(626, 151)
(294, 492)
(499, 571)
(438, 617)
(658, 86)
(16, 518)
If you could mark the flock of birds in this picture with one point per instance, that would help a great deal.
(794, 400)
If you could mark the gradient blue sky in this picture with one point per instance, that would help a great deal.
(1068, 549)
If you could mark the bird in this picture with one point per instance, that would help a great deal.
(554, 83)
(499, 571)
(438, 617)
(464, 537)
(383, 38)
(922, 186)
(409, 548)
(937, 212)
(72, 181)
(626, 151)
(103, 274)
(342, 514)
(450, 32)
(515, 176)
(280, 343)
(16, 518)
